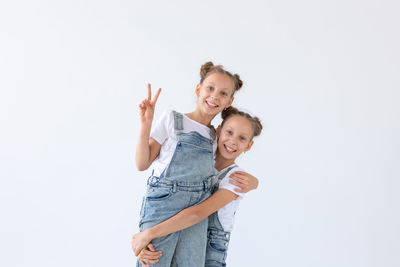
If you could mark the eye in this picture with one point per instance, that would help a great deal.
(210, 88)
(224, 94)
(229, 132)
(242, 138)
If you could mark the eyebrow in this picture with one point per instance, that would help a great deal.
(240, 133)
(210, 82)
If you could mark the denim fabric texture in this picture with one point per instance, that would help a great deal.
(217, 238)
(185, 182)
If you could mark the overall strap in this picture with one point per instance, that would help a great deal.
(178, 122)
(213, 133)
(222, 176)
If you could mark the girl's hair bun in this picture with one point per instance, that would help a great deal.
(257, 126)
(205, 68)
(239, 82)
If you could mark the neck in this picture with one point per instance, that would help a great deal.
(221, 163)
(200, 117)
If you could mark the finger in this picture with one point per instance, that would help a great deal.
(152, 261)
(146, 262)
(151, 247)
(234, 182)
(239, 176)
(243, 175)
(148, 105)
(240, 172)
(241, 181)
(148, 258)
(242, 188)
(156, 96)
(149, 91)
(151, 254)
(237, 179)
(145, 257)
(239, 190)
(240, 184)
(245, 178)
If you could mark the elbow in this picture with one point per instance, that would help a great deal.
(141, 166)
(140, 169)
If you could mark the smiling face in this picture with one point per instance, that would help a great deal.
(215, 93)
(234, 138)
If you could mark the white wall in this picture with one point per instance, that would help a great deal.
(322, 75)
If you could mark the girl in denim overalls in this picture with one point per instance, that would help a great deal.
(234, 137)
(182, 148)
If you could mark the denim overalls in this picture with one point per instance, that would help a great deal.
(218, 239)
(185, 182)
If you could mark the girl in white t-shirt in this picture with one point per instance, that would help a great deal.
(181, 149)
(235, 136)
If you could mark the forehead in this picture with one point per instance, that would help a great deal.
(220, 79)
(239, 124)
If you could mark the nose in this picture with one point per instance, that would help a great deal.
(232, 141)
(214, 94)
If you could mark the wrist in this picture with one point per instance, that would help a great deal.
(146, 124)
(149, 235)
(145, 129)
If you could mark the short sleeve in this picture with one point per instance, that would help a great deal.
(160, 131)
(226, 185)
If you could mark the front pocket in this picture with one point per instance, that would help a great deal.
(158, 193)
(218, 245)
(196, 147)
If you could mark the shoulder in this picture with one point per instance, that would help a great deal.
(224, 184)
(168, 113)
(166, 116)
(234, 169)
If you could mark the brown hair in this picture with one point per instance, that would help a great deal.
(209, 68)
(255, 121)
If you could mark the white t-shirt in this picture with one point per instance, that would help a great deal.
(226, 214)
(164, 133)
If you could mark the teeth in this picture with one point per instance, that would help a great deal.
(230, 149)
(213, 105)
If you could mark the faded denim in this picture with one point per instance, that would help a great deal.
(217, 238)
(185, 182)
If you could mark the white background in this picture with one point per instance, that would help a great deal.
(322, 75)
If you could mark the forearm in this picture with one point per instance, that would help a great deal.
(143, 147)
(188, 216)
(180, 221)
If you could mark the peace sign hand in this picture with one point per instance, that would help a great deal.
(148, 105)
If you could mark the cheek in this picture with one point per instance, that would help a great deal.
(227, 100)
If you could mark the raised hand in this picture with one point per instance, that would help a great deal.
(148, 105)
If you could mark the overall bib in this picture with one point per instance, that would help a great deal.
(218, 239)
(185, 182)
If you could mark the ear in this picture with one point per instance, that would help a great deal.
(218, 131)
(198, 90)
(249, 146)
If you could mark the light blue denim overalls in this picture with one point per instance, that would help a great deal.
(185, 182)
(217, 238)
